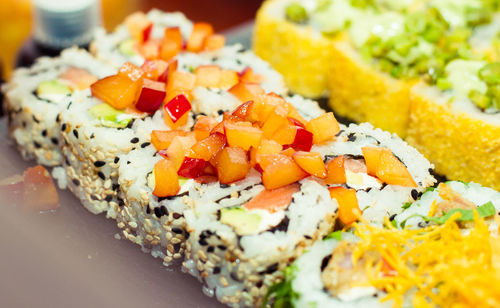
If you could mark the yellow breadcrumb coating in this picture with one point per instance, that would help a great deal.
(300, 53)
(460, 146)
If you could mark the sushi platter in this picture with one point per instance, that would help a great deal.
(193, 171)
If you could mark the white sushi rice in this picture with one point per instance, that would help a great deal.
(386, 201)
(34, 122)
(473, 192)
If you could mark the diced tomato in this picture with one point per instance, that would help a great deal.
(336, 171)
(151, 96)
(171, 44)
(324, 127)
(116, 90)
(139, 26)
(207, 148)
(161, 139)
(214, 42)
(177, 107)
(166, 179)
(155, 69)
(192, 168)
(247, 75)
(40, 193)
(201, 30)
(247, 91)
(279, 170)
(231, 164)
(150, 50)
(273, 200)
(80, 78)
(349, 211)
(311, 163)
(203, 126)
(242, 136)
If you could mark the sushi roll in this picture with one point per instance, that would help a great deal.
(435, 206)
(158, 223)
(363, 179)
(35, 96)
(440, 266)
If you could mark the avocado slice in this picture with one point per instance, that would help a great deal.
(50, 87)
(127, 48)
(242, 221)
(109, 116)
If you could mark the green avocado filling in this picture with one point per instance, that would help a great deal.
(109, 116)
(127, 48)
(296, 13)
(54, 86)
(243, 221)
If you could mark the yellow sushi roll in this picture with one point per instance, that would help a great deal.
(300, 53)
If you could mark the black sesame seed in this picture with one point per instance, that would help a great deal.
(164, 210)
(92, 136)
(24, 124)
(325, 261)
(94, 198)
(44, 133)
(186, 235)
(202, 242)
(75, 132)
(224, 185)
(177, 230)
(37, 145)
(145, 144)
(222, 247)
(121, 202)
(216, 270)
(271, 268)
(176, 215)
(108, 198)
(128, 162)
(116, 159)
(158, 212)
(391, 218)
(58, 118)
(99, 163)
(54, 141)
(210, 249)
(134, 140)
(115, 187)
(101, 175)
(177, 247)
(220, 112)
(63, 127)
(76, 182)
(35, 119)
(351, 137)
(234, 276)
(259, 284)
(148, 210)
(414, 194)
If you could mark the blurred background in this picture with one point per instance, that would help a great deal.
(16, 18)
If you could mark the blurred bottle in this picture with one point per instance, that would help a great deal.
(59, 24)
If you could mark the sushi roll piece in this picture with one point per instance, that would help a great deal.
(241, 237)
(126, 43)
(441, 266)
(35, 96)
(437, 205)
(158, 223)
(463, 113)
(373, 172)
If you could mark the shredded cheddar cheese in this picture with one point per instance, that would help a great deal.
(437, 266)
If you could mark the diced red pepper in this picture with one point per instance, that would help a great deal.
(192, 168)
(151, 97)
(139, 26)
(177, 107)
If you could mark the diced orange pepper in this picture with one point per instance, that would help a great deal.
(294, 114)
(154, 69)
(249, 76)
(79, 78)
(243, 111)
(175, 125)
(179, 148)
(273, 200)
(349, 211)
(247, 91)
(116, 90)
(161, 139)
(180, 82)
(285, 134)
(311, 162)
(279, 170)
(203, 126)
(228, 79)
(243, 136)
(207, 75)
(266, 146)
(150, 49)
(231, 164)
(166, 179)
(382, 163)
(270, 104)
(324, 127)
(207, 148)
(201, 30)
(214, 42)
(336, 171)
(131, 71)
(171, 44)
(139, 26)
(288, 152)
